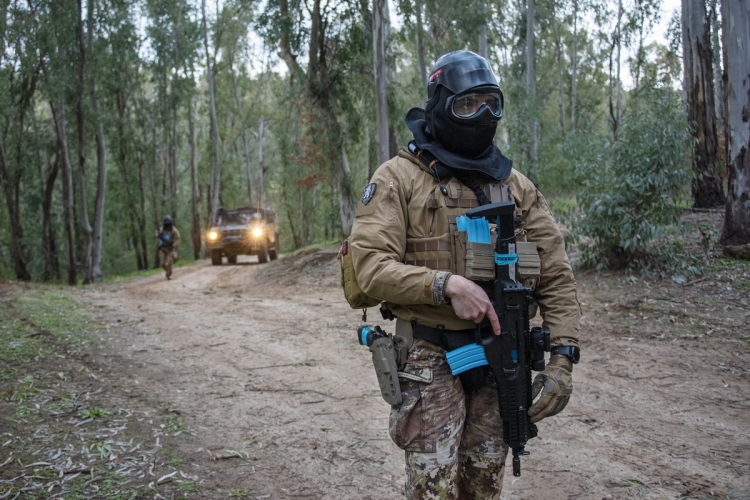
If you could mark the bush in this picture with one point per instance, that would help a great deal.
(629, 189)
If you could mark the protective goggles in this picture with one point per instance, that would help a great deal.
(469, 105)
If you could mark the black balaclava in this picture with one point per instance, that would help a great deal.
(466, 137)
(463, 144)
(167, 223)
(457, 73)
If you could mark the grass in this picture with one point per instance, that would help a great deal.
(47, 383)
(36, 324)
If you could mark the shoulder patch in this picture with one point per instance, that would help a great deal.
(368, 193)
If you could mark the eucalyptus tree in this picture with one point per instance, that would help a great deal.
(735, 236)
(336, 49)
(123, 85)
(174, 37)
(20, 74)
(697, 60)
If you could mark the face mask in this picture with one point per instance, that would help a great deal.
(468, 137)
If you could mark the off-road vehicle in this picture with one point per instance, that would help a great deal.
(243, 231)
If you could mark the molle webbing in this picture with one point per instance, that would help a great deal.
(462, 203)
(428, 246)
(439, 256)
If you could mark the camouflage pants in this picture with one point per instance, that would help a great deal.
(453, 441)
(166, 259)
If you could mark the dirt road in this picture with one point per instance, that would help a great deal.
(262, 364)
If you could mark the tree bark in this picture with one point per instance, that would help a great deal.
(420, 47)
(482, 42)
(58, 113)
(19, 263)
(261, 161)
(83, 216)
(195, 207)
(574, 70)
(716, 53)
(245, 148)
(381, 98)
(706, 186)
(531, 150)
(560, 92)
(49, 245)
(735, 236)
(101, 182)
(216, 181)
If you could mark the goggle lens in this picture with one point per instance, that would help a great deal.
(467, 105)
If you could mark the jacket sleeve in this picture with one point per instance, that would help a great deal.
(556, 292)
(378, 242)
(177, 239)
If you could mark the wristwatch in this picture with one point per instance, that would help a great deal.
(570, 351)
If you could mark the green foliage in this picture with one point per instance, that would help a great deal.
(176, 462)
(629, 189)
(174, 425)
(94, 412)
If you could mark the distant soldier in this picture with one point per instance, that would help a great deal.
(169, 240)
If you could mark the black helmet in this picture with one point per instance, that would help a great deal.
(464, 103)
(167, 222)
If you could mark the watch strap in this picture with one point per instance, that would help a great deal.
(570, 351)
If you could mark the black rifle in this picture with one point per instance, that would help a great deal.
(519, 349)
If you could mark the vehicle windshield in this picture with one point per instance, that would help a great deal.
(227, 218)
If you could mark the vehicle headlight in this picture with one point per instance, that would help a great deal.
(212, 235)
(257, 232)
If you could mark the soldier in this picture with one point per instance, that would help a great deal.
(403, 255)
(169, 241)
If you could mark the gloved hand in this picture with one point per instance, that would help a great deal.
(556, 385)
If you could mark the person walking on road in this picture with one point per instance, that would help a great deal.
(169, 241)
(404, 253)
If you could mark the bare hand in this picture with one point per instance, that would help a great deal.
(470, 301)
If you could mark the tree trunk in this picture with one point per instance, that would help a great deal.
(49, 246)
(420, 48)
(614, 75)
(560, 92)
(531, 150)
(261, 161)
(574, 75)
(195, 207)
(697, 57)
(16, 232)
(58, 114)
(483, 29)
(716, 53)
(245, 147)
(735, 237)
(216, 181)
(381, 99)
(101, 182)
(83, 216)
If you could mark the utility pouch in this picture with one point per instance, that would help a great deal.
(472, 260)
(386, 368)
(354, 295)
(529, 264)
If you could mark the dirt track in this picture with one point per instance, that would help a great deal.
(261, 362)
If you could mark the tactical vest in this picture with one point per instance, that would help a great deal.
(448, 249)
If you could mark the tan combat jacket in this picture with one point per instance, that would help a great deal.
(174, 236)
(400, 241)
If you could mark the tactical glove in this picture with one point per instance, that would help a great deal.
(555, 384)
